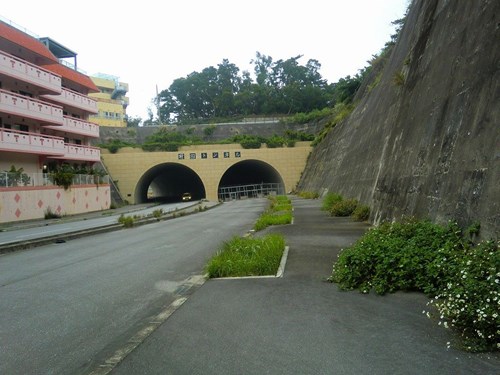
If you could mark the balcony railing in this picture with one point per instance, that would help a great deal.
(24, 71)
(10, 180)
(74, 99)
(78, 126)
(31, 143)
(80, 152)
(23, 106)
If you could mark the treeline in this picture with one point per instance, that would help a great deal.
(281, 87)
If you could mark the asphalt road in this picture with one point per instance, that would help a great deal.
(66, 307)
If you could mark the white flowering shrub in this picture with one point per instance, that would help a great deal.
(462, 279)
(470, 302)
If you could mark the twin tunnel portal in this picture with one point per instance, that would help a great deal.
(169, 181)
(213, 172)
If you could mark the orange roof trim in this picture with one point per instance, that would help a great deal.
(26, 41)
(72, 75)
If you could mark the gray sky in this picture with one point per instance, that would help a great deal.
(150, 43)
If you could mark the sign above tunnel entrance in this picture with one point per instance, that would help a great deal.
(204, 155)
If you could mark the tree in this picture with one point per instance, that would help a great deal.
(133, 122)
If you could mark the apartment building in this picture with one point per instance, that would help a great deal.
(47, 163)
(111, 100)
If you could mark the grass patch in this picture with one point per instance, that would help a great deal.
(461, 278)
(267, 219)
(248, 257)
(278, 213)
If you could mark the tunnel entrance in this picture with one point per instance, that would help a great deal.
(167, 183)
(250, 179)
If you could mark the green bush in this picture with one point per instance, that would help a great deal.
(127, 221)
(361, 213)
(275, 141)
(115, 144)
(158, 213)
(329, 200)
(422, 256)
(248, 257)
(344, 207)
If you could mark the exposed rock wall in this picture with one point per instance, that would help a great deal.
(427, 146)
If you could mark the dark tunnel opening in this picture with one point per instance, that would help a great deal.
(167, 183)
(250, 178)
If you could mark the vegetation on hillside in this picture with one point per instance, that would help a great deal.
(166, 139)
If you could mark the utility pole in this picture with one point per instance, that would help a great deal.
(158, 106)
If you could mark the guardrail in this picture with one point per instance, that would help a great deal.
(250, 191)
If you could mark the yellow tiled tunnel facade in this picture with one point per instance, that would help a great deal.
(131, 167)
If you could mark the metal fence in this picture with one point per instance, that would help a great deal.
(250, 191)
(9, 179)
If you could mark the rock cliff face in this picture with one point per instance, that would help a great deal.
(425, 141)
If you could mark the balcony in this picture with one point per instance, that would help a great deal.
(80, 152)
(31, 143)
(17, 69)
(78, 126)
(16, 180)
(23, 106)
(74, 99)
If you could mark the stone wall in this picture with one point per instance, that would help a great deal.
(425, 141)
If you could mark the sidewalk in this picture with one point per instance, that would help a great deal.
(301, 324)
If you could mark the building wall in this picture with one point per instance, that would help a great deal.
(27, 203)
(128, 165)
(111, 111)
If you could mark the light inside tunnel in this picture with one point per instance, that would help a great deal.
(167, 182)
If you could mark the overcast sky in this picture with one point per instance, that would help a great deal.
(150, 43)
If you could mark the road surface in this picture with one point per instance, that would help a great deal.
(67, 307)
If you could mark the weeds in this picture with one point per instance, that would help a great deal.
(279, 213)
(49, 214)
(248, 257)
(127, 221)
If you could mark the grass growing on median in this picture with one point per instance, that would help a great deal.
(279, 213)
(248, 256)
